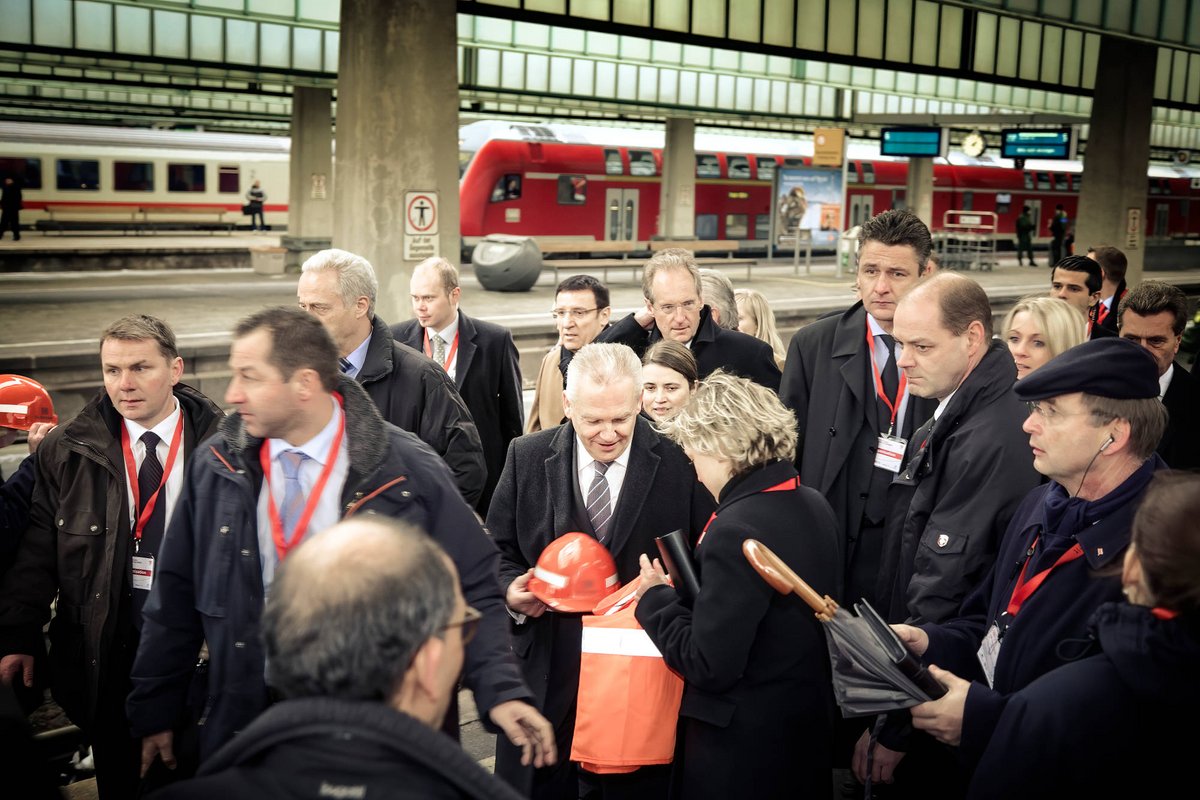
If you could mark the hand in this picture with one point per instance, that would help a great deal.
(652, 575)
(528, 730)
(942, 718)
(159, 744)
(914, 638)
(37, 432)
(645, 316)
(16, 664)
(883, 767)
(521, 600)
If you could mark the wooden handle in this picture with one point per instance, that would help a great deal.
(782, 578)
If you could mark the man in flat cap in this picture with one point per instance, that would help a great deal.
(1093, 424)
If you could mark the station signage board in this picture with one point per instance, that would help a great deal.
(914, 142)
(1043, 143)
(829, 147)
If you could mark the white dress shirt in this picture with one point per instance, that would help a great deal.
(358, 357)
(881, 357)
(447, 333)
(585, 470)
(165, 431)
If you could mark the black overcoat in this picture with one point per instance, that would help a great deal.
(1180, 445)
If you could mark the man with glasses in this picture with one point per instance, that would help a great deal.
(580, 312)
(1093, 424)
(306, 448)
(674, 310)
(368, 668)
(1154, 315)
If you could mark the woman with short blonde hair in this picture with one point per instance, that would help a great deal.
(1037, 329)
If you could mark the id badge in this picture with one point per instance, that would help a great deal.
(143, 572)
(889, 452)
(989, 651)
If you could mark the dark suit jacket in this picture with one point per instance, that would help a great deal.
(538, 500)
(827, 382)
(1180, 445)
(714, 348)
(489, 379)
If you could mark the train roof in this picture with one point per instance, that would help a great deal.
(100, 136)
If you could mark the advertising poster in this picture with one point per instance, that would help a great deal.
(809, 198)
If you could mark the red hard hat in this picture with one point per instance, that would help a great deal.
(24, 402)
(573, 573)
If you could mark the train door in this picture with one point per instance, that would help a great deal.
(1035, 214)
(861, 209)
(1162, 219)
(620, 214)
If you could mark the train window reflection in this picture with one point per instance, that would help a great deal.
(612, 163)
(81, 174)
(229, 179)
(706, 226)
(1043, 181)
(25, 171)
(1029, 180)
(762, 226)
(736, 226)
(572, 190)
(641, 162)
(1062, 182)
(185, 177)
(739, 167)
(707, 166)
(507, 188)
(766, 168)
(133, 176)
(793, 163)
(868, 172)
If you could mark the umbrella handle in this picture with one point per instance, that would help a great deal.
(783, 579)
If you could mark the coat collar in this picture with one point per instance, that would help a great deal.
(706, 331)
(378, 363)
(756, 480)
(466, 347)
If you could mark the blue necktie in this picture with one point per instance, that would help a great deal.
(293, 493)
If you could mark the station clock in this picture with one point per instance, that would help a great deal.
(973, 144)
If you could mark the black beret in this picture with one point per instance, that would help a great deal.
(1111, 367)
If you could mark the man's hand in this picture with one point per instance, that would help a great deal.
(16, 664)
(521, 600)
(645, 316)
(883, 767)
(914, 638)
(37, 432)
(527, 729)
(942, 718)
(158, 744)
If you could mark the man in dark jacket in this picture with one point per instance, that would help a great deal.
(368, 667)
(480, 358)
(10, 209)
(94, 537)
(1078, 280)
(650, 491)
(1113, 266)
(339, 288)
(1094, 423)
(306, 448)
(675, 310)
(1025, 228)
(833, 381)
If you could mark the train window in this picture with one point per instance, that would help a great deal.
(25, 171)
(1062, 183)
(736, 226)
(706, 226)
(739, 167)
(707, 166)
(185, 177)
(80, 174)
(507, 188)
(968, 201)
(572, 190)
(612, 163)
(1078, 181)
(229, 179)
(1003, 203)
(641, 162)
(793, 163)
(1043, 181)
(766, 168)
(762, 226)
(133, 176)
(1154, 187)
(868, 172)
(1029, 181)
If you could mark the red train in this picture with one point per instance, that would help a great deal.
(564, 180)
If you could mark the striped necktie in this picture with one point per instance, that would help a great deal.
(599, 501)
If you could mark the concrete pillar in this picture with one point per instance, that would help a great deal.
(677, 207)
(918, 192)
(310, 196)
(397, 140)
(1113, 197)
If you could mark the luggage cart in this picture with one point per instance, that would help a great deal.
(967, 240)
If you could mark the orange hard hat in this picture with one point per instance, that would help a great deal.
(573, 573)
(23, 402)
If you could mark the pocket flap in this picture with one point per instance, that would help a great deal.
(940, 542)
(706, 708)
(79, 523)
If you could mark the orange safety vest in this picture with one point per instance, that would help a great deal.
(628, 704)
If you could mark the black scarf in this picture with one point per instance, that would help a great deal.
(1066, 516)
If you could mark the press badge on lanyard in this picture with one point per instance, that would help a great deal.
(889, 449)
(143, 565)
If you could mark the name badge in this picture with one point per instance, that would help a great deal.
(889, 452)
(143, 572)
(989, 651)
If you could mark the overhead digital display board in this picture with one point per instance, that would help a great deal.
(914, 142)
(1051, 144)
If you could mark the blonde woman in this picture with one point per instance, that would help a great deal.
(1039, 328)
(755, 318)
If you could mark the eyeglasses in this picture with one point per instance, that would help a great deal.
(574, 313)
(687, 307)
(469, 624)
(1050, 414)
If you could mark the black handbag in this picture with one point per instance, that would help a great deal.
(247, 209)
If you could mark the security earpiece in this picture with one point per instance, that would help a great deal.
(1104, 446)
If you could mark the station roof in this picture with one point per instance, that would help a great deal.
(764, 65)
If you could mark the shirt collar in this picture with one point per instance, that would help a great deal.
(447, 333)
(1164, 380)
(583, 458)
(875, 327)
(316, 448)
(358, 356)
(164, 430)
(941, 406)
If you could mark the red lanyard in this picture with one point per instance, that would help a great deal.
(131, 470)
(786, 486)
(1024, 589)
(283, 545)
(1102, 313)
(449, 355)
(893, 405)
(1163, 613)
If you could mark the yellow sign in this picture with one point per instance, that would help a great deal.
(829, 147)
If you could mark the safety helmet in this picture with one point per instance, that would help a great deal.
(24, 402)
(573, 573)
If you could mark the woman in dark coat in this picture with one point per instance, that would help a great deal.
(1120, 722)
(757, 713)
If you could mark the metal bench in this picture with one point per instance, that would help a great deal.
(697, 246)
(155, 218)
(84, 216)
